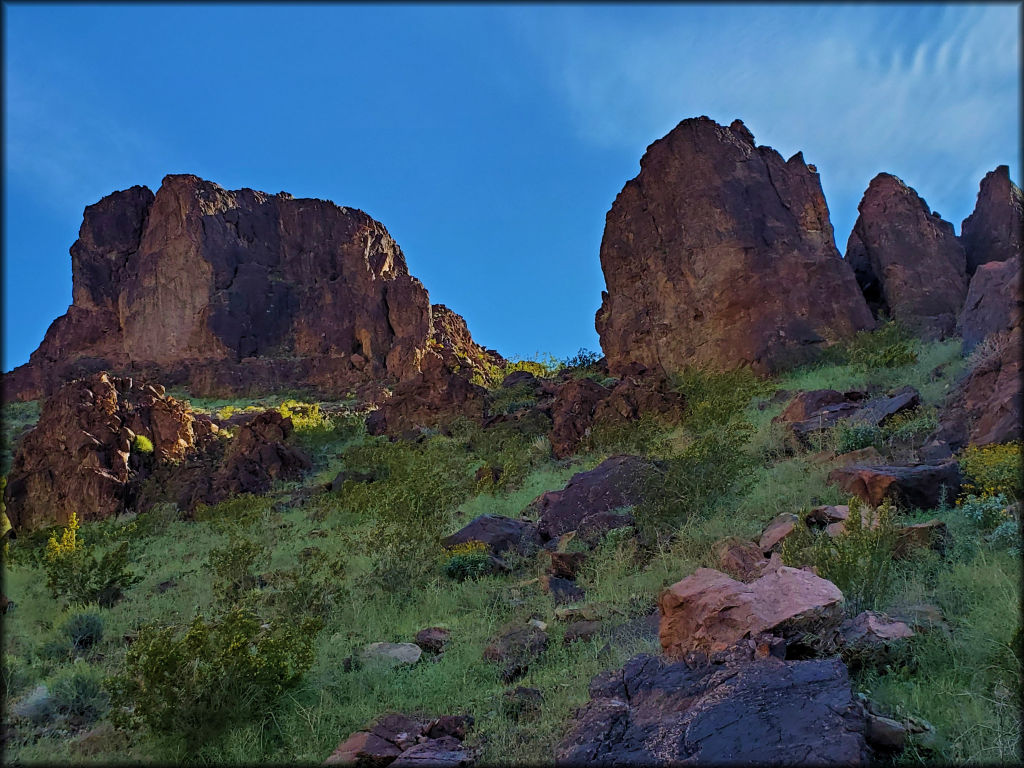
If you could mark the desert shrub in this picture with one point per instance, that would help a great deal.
(694, 480)
(469, 560)
(310, 589)
(1006, 535)
(512, 399)
(74, 573)
(216, 672)
(142, 444)
(910, 425)
(858, 561)
(986, 512)
(713, 399)
(234, 514)
(513, 446)
(993, 469)
(853, 437)
(306, 417)
(78, 692)
(38, 706)
(888, 346)
(84, 630)
(639, 437)
(539, 365)
(233, 565)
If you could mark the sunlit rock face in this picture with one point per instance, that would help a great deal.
(720, 254)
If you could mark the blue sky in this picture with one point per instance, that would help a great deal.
(490, 140)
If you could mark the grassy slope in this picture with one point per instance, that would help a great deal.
(959, 682)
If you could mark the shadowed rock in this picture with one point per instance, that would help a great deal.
(720, 254)
(995, 301)
(993, 230)
(923, 485)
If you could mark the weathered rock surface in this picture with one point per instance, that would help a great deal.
(743, 560)
(708, 611)
(655, 711)
(921, 485)
(871, 634)
(393, 653)
(500, 534)
(823, 409)
(995, 301)
(721, 254)
(572, 414)
(82, 457)
(776, 531)
(238, 291)
(932, 534)
(993, 231)
(515, 649)
(433, 639)
(908, 261)
(405, 742)
(587, 503)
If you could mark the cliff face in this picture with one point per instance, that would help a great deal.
(233, 292)
(993, 232)
(721, 254)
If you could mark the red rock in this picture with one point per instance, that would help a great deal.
(885, 734)
(932, 534)
(807, 404)
(226, 291)
(873, 629)
(710, 611)
(562, 590)
(581, 630)
(878, 410)
(907, 260)
(81, 457)
(448, 725)
(993, 231)
(363, 748)
(995, 301)
(433, 639)
(446, 752)
(743, 560)
(572, 414)
(777, 530)
(717, 255)
(921, 485)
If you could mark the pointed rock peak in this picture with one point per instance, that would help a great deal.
(738, 128)
(993, 230)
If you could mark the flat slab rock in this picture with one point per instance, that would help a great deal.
(708, 611)
(403, 741)
(656, 711)
(920, 485)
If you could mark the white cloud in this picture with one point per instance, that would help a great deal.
(927, 93)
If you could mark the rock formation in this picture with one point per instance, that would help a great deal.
(83, 455)
(993, 231)
(995, 301)
(907, 259)
(721, 254)
(238, 292)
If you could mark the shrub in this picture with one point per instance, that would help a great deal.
(889, 346)
(142, 444)
(311, 589)
(78, 692)
(858, 561)
(714, 399)
(993, 469)
(541, 366)
(469, 560)
(986, 512)
(910, 425)
(226, 670)
(641, 436)
(74, 573)
(1006, 534)
(84, 630)
(853, 437)
(38, 707)
(233, 566)
(234, 514)
(306, 417)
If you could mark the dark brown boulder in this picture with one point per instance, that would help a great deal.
(572, 414)
(720, 254)
(742, 560)
(452, 340)
(923, 485)
(82, 455)
(638, 392)
(433, 639)
(430, 399)
(878, 410)
(500, 534)
(930, 535)
(907, 259)
(823, 409)
(225, 291)
(995, 301)
(654, 711)
(588, 502)
(259, 455)
(993, 231)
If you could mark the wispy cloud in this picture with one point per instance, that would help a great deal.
(927, 93)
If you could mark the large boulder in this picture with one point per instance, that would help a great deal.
(238, 291)
(995, 301)
(922, 485)
(572, 414)
(655, 711)
(708, 611)
(822, 409)
(720, 254)
(82, 456)
(499, 533)
(993, 231)
(907, 259)
(589, 501)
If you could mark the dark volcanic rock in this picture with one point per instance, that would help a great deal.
(907, 259)
(235, 291)
(587, 503)
(81, 456)
(993, 231)
(721, 254)
(500, 534)
(515, 649)
(995, 301)
(657, 712)
(922, 485)
(572, 414)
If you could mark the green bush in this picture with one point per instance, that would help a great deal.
(469, 560)
(84, 630)
(1006, 534)
(78, 692)
(233, 566)
(142, 444)
(858, 561)
(986, 512)
(74, 573)
(910, 425)
(227, 670)
(313, 588)
(994, 469)
(853, 437)
(234, 514)
(714, 399)
(889, 346)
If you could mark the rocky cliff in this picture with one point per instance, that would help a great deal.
(993, 232)
(233, 292)
(721, 254)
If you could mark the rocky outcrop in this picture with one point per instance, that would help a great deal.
(907, 259)
(993, 232)
(720, 254)
(654, 711)
(83, 456)
(237, 291)
(500, 534)
(923, 486)
(822, 409)
(995, 301)
(403, 741)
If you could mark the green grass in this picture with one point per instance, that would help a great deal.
(17, 418)
(958, 682)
